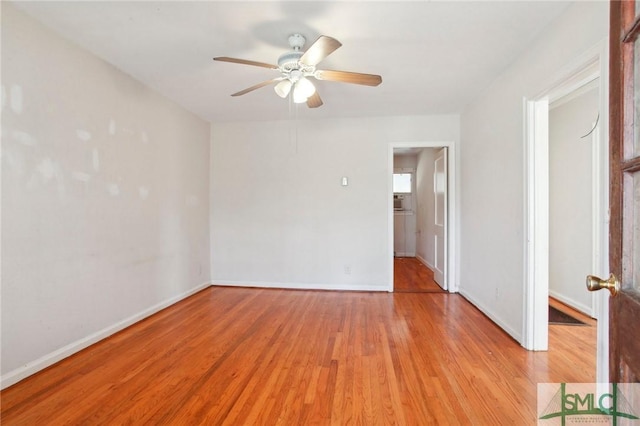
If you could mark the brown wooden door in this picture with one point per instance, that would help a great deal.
(624, 239)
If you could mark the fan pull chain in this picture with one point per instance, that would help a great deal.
(295, 106)
(293, 120)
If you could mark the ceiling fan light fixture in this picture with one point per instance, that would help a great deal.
(283, 88)
(304, 88)
(298, 96)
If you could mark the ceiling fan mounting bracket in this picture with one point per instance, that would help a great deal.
(297, 41)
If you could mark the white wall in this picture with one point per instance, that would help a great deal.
(425, 248)
(405, 161)
(104, 198)
(279, 214)
(570, 197)
(492, 234)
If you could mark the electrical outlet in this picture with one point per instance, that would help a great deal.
(347, 269)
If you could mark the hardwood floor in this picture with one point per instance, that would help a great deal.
(240, 356)
(412, 276)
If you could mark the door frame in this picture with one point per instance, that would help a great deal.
(536, 157)
(451, 283)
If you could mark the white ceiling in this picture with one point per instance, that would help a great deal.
(434, 57)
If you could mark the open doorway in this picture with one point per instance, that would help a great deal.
(421, 205)
(567, 200)
(573, 197)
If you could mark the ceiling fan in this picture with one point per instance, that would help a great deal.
(297, 66)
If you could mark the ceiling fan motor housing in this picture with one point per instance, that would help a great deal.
(289, 61)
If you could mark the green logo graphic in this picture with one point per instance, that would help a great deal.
(565, 404)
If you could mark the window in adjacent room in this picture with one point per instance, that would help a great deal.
(402, 183)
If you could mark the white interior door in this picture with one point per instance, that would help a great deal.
(440, 237)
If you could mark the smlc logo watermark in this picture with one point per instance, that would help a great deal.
(589, 403)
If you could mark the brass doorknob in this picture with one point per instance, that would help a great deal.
(612, 284)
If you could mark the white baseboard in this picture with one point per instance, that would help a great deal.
(493, 317)
(587, 310)
(405, 254)
(41, 363)
(424, 262)
(301, 286)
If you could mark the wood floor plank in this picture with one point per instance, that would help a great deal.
(259, 356)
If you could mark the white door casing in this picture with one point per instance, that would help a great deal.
(591, 65)
(452, 221)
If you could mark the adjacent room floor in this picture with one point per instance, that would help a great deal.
(412, 276)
